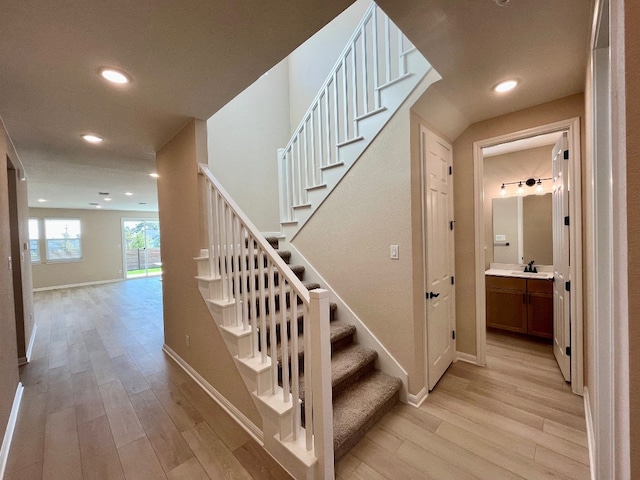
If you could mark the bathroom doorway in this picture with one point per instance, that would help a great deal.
(513, 182)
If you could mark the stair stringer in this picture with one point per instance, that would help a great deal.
(393, 97)
(291, 454)
(365, 337)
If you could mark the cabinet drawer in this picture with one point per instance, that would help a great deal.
(539, 285)
(509, 283)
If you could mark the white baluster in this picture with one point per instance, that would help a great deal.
(263, 316)
(336, 112)
(284, 340)
(387, 48)
(327, 122)
(295, 366)
(365, 78)
(376, 73)
(272, 331)
(244, 259)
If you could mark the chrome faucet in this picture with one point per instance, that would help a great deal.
(530, 268)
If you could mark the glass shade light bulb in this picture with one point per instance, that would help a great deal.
(539, 186)
(520, 190)
(503, 191)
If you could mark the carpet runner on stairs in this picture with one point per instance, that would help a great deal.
(361, 394)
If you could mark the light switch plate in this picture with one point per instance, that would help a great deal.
(394, 252)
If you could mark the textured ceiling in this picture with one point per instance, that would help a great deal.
(187, 59)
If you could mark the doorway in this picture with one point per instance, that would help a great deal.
(575, 345)
(141, 245)
(16, 261)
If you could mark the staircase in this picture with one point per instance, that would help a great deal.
(377, 71)
(316, 390)
(360, 393)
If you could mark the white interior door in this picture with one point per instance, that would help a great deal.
(562, 282)
(439, 291)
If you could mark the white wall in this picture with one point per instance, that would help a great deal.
(243, 141)
(244, 135)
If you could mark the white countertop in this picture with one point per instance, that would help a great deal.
(545, 272)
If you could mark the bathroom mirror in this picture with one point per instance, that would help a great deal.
(522, 229)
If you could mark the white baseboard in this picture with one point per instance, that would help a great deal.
(73, 285)
(11, 425)
(591, 439)
(417, 399)
(465, 357)
(225, 404)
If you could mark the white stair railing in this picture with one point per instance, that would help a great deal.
(264, 295)
(375, 58)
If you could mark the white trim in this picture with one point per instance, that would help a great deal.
(11, 425)
(32, 340)
(572, 126)
(465, 357)
(73, 285)
(385, 362)
(225, 404)
(591, 436)
(417, 399)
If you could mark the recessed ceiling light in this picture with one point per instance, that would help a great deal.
(154, 175)
(95, 204)
(106, 199)
(98, 206)
(505, 86)
(128, 194)
(42, 200)
(114, 76)
(92, 138)
(142, 203)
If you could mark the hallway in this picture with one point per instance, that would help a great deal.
(102, 400)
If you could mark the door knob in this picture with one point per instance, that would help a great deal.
(431, 295)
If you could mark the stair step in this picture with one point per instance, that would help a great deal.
(341, 334)
(273, 241)
(359, 407)
(348, 366)
(332, 316)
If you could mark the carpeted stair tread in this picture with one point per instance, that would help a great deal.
(361, 405)
(311, 285)
(273, 241)
(347, 367)
(285, 255)
(337, 331)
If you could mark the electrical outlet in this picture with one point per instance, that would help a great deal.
(187, 340)
(394, 252)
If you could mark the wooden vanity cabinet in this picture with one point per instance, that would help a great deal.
(520, 305)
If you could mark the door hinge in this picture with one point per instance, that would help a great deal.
(566, 220)
(453, 334)
(451, 224)
(566, 154)
(450, 170)
(567, 351)
(453, 280)
(567, 286)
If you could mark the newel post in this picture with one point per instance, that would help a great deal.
(283, 185)
(321, 374)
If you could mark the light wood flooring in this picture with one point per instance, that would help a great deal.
(515, 418)
(103, 401)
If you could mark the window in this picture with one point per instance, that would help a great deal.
(34, 239)
(62, 237)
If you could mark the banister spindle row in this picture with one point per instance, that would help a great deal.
(351, 91)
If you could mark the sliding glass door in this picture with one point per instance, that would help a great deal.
(141, 248)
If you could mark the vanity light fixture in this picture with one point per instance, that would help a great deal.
(128, 194)
(529, 182)
(154, 175)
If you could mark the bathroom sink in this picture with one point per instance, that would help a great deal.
(532, 274)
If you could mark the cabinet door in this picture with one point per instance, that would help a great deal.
(540, 307)
(506, 309)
